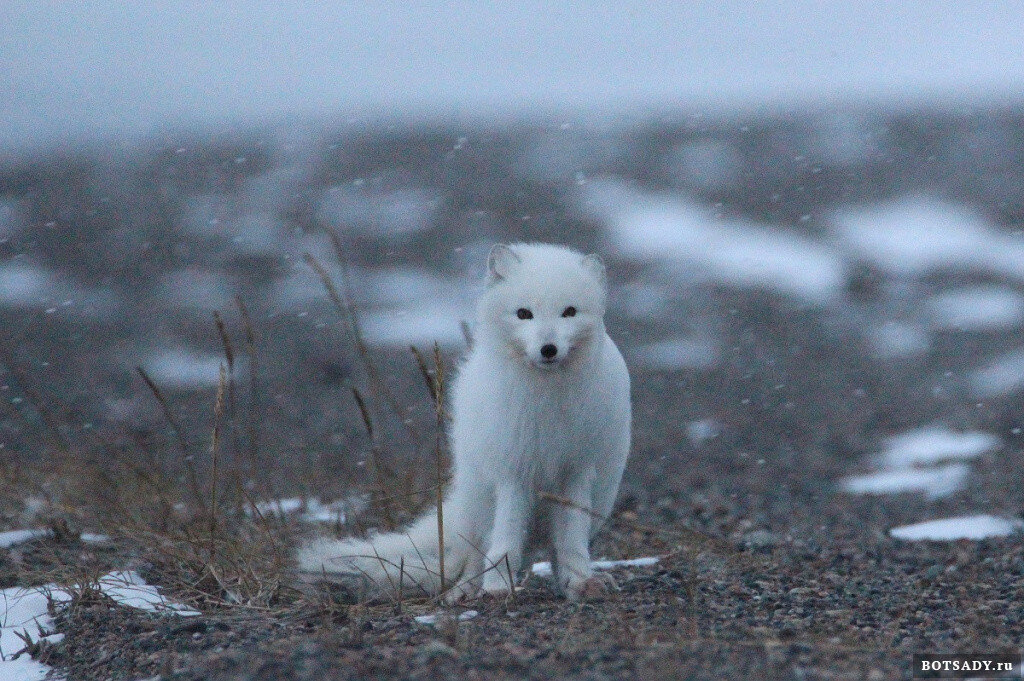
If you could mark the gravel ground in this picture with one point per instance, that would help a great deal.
(769, 569)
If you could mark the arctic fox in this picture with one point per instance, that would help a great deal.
(540, 433)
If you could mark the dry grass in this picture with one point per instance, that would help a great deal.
(185, 509)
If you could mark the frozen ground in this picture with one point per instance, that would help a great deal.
(821, 314)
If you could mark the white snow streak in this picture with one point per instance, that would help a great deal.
(543, 569)
(963, 527)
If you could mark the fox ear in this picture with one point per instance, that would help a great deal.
(592, 263)
(500, 262)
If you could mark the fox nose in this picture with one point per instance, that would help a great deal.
(548, 351)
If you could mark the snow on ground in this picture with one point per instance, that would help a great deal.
(24, 285)
(312, 510)
(677, 353)
(934, 482)
(381, 213)
(225, 227)
(127, 588)
(438, 321)
(14, 537)
(923, 460)
(641, 300)
(1001, 376)
(913, 236)
(663, 228)
(11, 220)
(963, 527)
(432, 619)
(895, 339)
(926, 446)
(184, 369)
(543, 569)
(402, 286)
(396, 307)
(980, 308)
(26, 609)
(702, 430)
(23, 610)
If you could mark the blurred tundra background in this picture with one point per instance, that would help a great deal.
(811, 212)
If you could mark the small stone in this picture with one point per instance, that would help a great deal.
(434, 650)
(760, 540)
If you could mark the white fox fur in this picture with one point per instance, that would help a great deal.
(540, 405)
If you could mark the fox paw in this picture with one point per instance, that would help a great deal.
(595, 586)
(498, 591)
(496, 586)
(461, 593)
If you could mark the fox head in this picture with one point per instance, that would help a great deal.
(544, 305)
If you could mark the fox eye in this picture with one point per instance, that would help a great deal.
(569, 311)
(524, 313)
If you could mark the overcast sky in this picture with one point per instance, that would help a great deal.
(74, 70)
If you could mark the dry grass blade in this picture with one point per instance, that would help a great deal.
(225, 340)
(166, 408)
(380, 471)
(218, 412)
(52, 425)
(428, 377)
(254, 401)
(229, 355)
(439, 459)
(363, 411)
(348, 312)
(332, 290)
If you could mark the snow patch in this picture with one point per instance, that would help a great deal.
(127, 588)
(962, 527)
(702, 430)
(981, 308)
(543, 569)
(380, 213)
(23, 611)
(706, 164)
(420, 326)
(923, 460)
(641, 300)
(935, 483)
(1002, 376)
(893, 339)
(678, 353)
(312, 510)
(932, 445)
(662, 228)
(11, 220)
(431, 620)
(183, 369)
(26, 609)
(14, 537)
(23, 285)
(397, 287)
(913, 236)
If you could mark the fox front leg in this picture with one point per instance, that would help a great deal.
(571, 523)
(505, 554)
